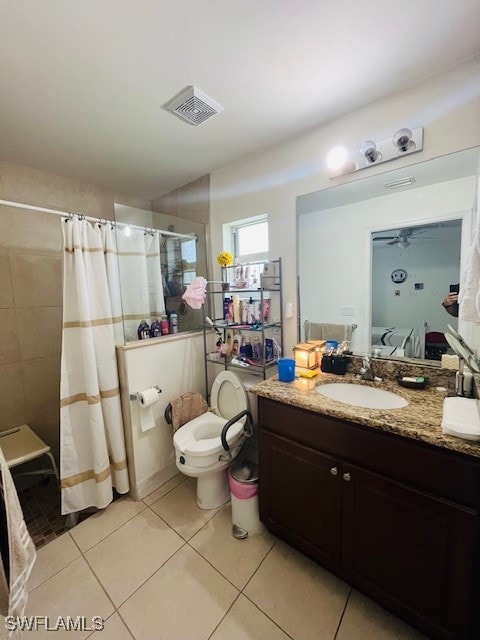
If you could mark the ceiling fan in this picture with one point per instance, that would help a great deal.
(404, 236)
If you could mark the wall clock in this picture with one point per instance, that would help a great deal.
(399, 275)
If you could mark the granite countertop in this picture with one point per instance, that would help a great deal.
(420, 419)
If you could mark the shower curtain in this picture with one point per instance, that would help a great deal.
(92, 444)
(141, 278)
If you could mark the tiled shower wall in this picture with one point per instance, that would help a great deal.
(31, 291)
(31, 285)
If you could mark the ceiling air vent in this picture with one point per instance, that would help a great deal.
(193, 106)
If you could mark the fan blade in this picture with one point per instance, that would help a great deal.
(396, 241)
(385, 238)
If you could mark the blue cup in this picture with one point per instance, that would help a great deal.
(286, 370)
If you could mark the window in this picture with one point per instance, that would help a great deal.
(250, 240)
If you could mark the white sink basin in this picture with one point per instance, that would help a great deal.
(362, 396)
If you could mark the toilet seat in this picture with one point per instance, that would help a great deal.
(228, 395)
(201, 436)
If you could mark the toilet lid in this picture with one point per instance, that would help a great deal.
(228, 395)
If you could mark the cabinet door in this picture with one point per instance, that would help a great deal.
(300, 497)
(410, 551)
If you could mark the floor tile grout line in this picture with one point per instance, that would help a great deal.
(225, 614)
(267, 616)
(104, 620)
(343, 613)
(254, 573)
(64, 567)
(113, 530)
(151, 576)
(214, 567)
(162, 496)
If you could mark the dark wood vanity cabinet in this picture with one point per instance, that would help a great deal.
(397, 519)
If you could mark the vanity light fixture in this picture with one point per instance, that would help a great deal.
(404, 142)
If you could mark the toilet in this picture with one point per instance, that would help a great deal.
(198, 448)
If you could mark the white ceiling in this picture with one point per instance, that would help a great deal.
(82, 81)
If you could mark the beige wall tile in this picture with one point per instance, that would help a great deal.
(9, 346)
(29, 186)
(13, 411)
(195, 200)
(40, 332)
(33, 232)
(37, 280)
(132, 201)
(89, 199)
(169, 203)
(3, 231)
(42, 382)
(6, 286)
(22, 184)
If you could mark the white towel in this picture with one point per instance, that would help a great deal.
(461, 418)
(21, 551)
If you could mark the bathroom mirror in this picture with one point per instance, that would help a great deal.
(346, 277)
(155, 268)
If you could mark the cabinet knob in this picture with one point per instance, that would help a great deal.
(346, 477)
(334, 471)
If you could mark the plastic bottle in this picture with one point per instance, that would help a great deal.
(173, 323)
(143, 330)
(247, 345)
(155, 329)
(164, 326)
(257, 349)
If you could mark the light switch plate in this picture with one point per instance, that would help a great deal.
(347, 311)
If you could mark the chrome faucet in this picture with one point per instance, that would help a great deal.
(366, 372)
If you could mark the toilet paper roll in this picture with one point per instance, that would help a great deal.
(148, 396)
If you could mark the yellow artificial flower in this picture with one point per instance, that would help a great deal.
(225, 259)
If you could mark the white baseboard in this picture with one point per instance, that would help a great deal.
(146, 487)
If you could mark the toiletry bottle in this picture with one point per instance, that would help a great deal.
(265, 310)
(250, 317)
(173, 323)
(143, 330)
(237, 343)
(155, 329)
(229, 316)
(164, 326)
(247, 346)
(257, 348)
(229, 342)
(236, 309)
(226, 302)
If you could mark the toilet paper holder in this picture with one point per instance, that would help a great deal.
(136, 394)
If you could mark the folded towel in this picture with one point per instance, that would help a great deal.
(461, 418)
(21, 551)
(186, 407)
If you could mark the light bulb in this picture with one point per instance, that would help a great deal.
(127, 231)
(369, 151)
(337, 157)
(403, 139)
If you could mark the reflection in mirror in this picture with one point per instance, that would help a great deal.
(336, 253)
(412, 269)
(155, 269)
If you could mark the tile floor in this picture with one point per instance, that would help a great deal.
(164, 569)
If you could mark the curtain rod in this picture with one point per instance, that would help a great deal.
(66, 214)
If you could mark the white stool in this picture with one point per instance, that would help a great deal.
(21, 445)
